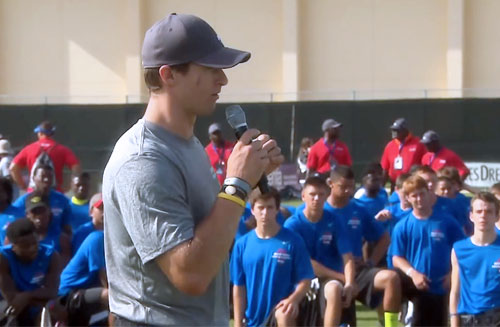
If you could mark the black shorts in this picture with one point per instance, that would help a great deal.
(365, 279)
(428, 309)
(488, 318)
(82, 304)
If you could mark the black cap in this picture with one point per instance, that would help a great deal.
(399, 124)
(34, 200)
(181, 38)
(429, 136)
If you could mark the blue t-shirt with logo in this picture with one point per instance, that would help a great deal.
(270, 269)
(79, 214)
(372, 205)
(83, 270)
(426, 244)
(9, 215)
(80, 235)
(479, 269)
(28, 276)
(326, 240)
(360, 226)
(59, 205)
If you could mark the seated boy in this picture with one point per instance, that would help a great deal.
(29, 272)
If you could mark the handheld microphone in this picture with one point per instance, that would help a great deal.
(236, 118)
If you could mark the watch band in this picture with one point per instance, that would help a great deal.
(234, 191)
(242, 184)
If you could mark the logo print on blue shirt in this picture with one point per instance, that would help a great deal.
(326, 238)
(354, 222)
(281, 255)
(496, 265)
(437, 235)
(38, 278)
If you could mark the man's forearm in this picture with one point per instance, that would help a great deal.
(401, 263)
(322, 271)
(300, 291)
(239, 304)
(193, 264)
(15, 172)
(380, 249)
(349, 270)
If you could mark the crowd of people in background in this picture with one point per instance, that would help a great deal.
(52, 254)
(420, 252)
(398, 251)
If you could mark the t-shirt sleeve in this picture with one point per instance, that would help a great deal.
(152, 198)
(70, 158)
(312, 159)
(236, 265)
(455, 232)
(347, 155)
(399, 242)
(372, 229)
(95, 245)
(425, 159)
(343, 241)
(384, 161)
(302, 261)
(21, 158)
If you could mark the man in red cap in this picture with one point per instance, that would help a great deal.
(401, 153)
(60, 156)
(328, 151)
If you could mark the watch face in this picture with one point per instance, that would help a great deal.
(230, 190)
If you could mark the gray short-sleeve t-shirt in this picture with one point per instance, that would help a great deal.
(156, 188)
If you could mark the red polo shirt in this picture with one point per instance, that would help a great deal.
(320, 155)
(61, 156)
(218, 158)
(443, 158)
(411, 153)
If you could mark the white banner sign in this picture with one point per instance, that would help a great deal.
(483, 174)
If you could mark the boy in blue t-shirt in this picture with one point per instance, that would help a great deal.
(79, 202)
(475, 278)
(83, 288)
(29, 273)
(421, 250)
(8, 213)
(376, 286)
(97, 222)
(38, 212)
(270, 269)
(58, 203)
(330, 250)
(372, 196)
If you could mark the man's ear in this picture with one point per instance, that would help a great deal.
(166, 74)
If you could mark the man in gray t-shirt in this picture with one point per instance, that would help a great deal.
(168, 230)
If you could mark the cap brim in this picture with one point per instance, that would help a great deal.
(425, 141)
(224, 58)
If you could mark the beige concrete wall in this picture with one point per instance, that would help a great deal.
(482, 44)
(89, 50)
(369, 44)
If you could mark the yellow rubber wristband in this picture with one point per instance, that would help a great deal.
(232, 198)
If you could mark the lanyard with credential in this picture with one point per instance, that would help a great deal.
(220, 154)
(401, 145)
(331, 149)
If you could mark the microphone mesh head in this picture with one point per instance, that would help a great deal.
(235, 116)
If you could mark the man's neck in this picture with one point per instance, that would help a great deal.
(219, 144)
(422, 213)
(371, 193)
(404, 206)
(268, 230)
(484, 238)
(330, 139)
(313, 216)
(337, 202)
(162, 111)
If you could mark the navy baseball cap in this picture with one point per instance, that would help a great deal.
(429, 136)
(399, 124)
(330, 123)
(181, 38)
(214, 128)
